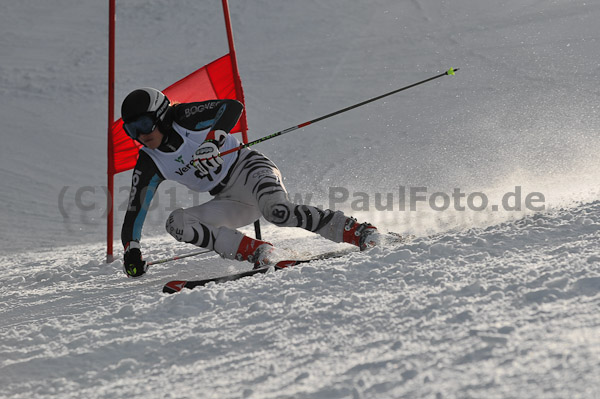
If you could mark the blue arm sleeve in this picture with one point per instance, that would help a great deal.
(144, 182)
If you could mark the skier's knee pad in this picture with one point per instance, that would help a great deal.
(279, 211)
(176, 223)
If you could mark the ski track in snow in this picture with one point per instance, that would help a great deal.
(511, 310)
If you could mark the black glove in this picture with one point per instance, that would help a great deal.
(133, 264)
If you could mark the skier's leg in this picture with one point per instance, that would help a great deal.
(332, 225)
(213, 225)
(262, 181)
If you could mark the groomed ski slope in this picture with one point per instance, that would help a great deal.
(481, 304)
(506, 311)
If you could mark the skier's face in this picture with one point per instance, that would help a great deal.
(151, 140)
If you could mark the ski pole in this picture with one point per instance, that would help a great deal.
(450, 71)
(156, 262)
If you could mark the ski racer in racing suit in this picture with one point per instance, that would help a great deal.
(183, 142)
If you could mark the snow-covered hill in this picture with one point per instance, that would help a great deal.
(506, 311)
(493, 303)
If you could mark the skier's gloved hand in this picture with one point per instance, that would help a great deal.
(207, 156)
(133, 264)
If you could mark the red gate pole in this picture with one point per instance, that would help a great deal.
(239, 91)
(111, 119)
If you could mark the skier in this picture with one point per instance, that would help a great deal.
(182, 142)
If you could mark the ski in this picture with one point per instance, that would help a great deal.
(177, 285)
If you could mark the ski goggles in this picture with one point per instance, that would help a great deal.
(145, 124)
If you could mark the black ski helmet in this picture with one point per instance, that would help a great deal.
(144, 101)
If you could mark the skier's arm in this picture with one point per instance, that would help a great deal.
(230, 110)
(220, 116)
(213, 114)
(145, 180)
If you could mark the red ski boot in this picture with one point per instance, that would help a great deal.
(363, 235)
(262, 253)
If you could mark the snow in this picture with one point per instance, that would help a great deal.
(496, 304)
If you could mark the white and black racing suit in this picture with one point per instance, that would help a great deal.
(246, 186)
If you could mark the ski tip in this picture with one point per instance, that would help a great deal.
(452, 71)
(173, 286)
